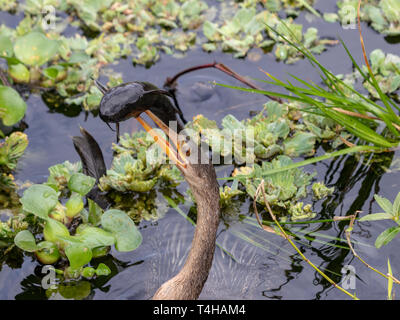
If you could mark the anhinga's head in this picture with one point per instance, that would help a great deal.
(130, 100)
(190, 158)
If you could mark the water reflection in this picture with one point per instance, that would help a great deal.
(56, 103)
(31, 286)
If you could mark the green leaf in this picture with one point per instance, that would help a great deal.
(47, 252)
(396, 206)
(35, 49)
(95, 237)
(51, 72)
(95, 213)
(103, 270)
(391, 9)
(81, 183)
(74, 205)
(19, 73)
(390, 282)
(100, 251)
(39, 200)
(376, 216)
(77, 290)
(88, 272)
(331, 17)
(25, 241)
(12, 107)
(385, 204)
(67, 240)
(210, 30)
(126, 234)
(302, 143)
(386, 236)
(54, 230)
(78, 255)
(6, 47)
(12, 148)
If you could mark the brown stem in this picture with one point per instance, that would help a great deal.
(361, 37)
(3, 78)
(171, 81)
(348, 234)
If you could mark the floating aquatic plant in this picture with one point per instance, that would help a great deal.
(138, 166)
(35, 49)
(142, 29)
(320, 190)
(386, 69)
(10, 228)
(278, 135)
(60, 174)
(99, 229)
(275, 132)
(339, 101)
(280, 187)
(140, 205)
(383, 15)
(12, 106)
(11, 149)
(247, 30)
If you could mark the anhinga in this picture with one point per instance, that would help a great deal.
(202, 179)
(130, 100)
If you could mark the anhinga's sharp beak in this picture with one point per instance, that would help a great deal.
(175, 155)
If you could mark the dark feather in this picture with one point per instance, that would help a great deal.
(92, 164)
(91, 156)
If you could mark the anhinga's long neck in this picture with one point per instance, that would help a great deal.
(189, 282)
(201, 254)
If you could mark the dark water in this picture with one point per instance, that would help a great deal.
(270, 271)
